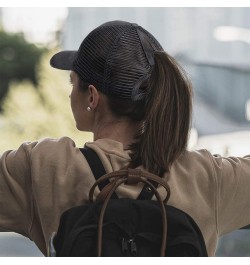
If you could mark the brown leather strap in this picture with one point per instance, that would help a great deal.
(129, 177)
(106, 190)
(133, 177)
(101, 217)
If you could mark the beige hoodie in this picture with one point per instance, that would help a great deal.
(42, 179)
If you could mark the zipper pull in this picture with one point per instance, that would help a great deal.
(124, 246)
(133, 248)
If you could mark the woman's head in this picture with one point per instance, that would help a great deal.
(116, 57)
(137, 80)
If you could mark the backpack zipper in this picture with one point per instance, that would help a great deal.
(129, 246)
(124, 246)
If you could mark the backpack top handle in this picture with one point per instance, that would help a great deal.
(133, 177)
(130, 177)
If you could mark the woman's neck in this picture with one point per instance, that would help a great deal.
(121, 131)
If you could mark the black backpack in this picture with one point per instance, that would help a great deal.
(126, 227)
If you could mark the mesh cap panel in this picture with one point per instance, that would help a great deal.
(116, 57)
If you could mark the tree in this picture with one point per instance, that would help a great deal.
(31, 114)
(18, 60)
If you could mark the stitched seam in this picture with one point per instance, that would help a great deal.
(216, 193)
(31, 194)
(110, 52)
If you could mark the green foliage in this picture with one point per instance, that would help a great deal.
(18, 60)
(31, 114)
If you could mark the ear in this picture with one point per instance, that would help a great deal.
(94, 97)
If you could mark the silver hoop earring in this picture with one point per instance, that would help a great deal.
(88, 109)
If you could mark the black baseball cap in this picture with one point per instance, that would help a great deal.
(116, 57)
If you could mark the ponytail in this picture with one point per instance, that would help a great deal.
(168, 107)
(164, 115)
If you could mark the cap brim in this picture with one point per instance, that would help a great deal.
(63, 60)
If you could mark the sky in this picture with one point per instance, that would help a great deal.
(38, 23)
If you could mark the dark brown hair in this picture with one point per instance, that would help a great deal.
(165, 116)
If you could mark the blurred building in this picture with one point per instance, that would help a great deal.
(180, 30)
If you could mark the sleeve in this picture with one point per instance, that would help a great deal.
(232, 176)
(15, 190)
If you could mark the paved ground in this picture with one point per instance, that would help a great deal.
(14, 245)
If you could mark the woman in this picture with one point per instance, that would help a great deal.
(137, 102)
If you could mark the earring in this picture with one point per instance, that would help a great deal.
(88, 109)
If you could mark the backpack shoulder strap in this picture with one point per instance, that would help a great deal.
(98, 171)
(94, 162)
(96, 166)
(147, 192)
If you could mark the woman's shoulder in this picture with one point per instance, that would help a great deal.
(201, 156)
(46, 148)
(49, 144)
(194, 166)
